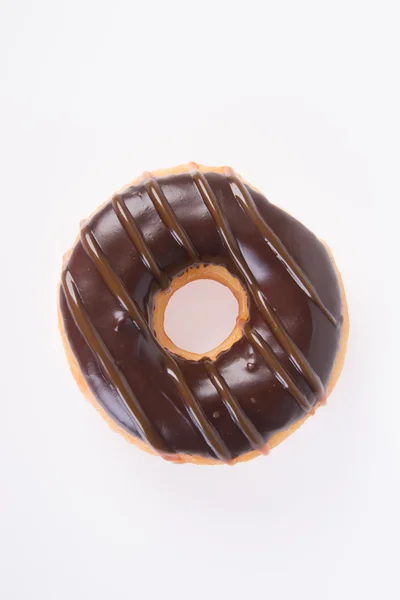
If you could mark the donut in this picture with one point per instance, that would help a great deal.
(281, 361)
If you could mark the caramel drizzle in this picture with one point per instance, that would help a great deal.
(266, 310)
(247, 203)
(117, 288)
(131, 229)
(168, 217)
(282, 375)
(113, 373)
(235, 410)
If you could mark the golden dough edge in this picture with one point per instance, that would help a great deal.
(277, 438)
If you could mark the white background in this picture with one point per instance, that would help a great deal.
(302, 99)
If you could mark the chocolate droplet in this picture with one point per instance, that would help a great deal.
(119, 319)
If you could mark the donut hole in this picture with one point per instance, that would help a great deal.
(202, 312)
(201, 315)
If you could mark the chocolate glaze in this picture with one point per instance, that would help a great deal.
(269, 379)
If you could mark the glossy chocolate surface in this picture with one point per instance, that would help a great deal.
(266, 381)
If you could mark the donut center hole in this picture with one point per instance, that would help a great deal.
(200, 315)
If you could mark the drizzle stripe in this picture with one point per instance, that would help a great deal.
(247, 203)
(128, 223)
(265, 351)
(169, 218)
(277, 327)
(99, 349)
(117, 288)
(235, 410)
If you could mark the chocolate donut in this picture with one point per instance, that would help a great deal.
(277, 366)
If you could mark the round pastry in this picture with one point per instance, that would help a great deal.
(279, 363)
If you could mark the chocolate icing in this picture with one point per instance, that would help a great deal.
(269, 379)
